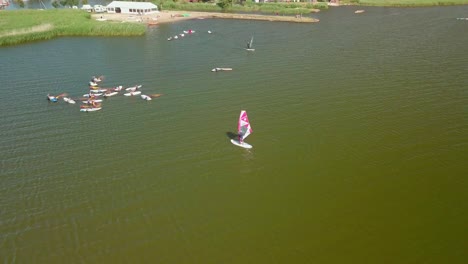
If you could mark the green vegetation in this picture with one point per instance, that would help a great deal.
(246, 6)
(403, 3)
(20, 26)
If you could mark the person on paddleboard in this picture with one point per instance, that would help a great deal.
(51, 97)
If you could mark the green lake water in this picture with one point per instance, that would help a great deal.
(360, 144)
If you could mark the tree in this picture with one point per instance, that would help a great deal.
(20, 3)
(69, 3)
(224, 4)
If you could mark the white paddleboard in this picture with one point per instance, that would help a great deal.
(69, 100)
(242, 145)
(250, 49)
(110, 94)
(97, 90)
(90, 109)
(95, 94)
(146, 97)
(221, 69)
(132, 93)
(133, 88)
(91, 101)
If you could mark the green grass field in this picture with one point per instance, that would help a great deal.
(21, 26)
(249, 6)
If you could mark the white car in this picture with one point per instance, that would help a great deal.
(100, 9)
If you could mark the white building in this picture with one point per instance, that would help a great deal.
(126, 7)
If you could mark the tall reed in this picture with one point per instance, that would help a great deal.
(20, 26)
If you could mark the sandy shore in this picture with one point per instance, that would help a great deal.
(174, 16)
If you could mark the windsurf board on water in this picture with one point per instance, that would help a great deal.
(95, 94)
(244, 129)
(242, 145)
(221, 69)
(91, 101)
(90, 109)
(250, 45)
(97, 91)
(133, 88)
(110, 94)
(69, 100)
(132, 93)
(146, 97)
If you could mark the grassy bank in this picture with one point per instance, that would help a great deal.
(405, 3)
(21, 26)
(248, 6)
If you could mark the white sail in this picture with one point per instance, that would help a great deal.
(243, 127)
(250, 45)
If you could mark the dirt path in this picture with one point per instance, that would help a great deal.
(174, 16)
(35, 29)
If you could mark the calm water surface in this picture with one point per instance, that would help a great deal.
(360, 144)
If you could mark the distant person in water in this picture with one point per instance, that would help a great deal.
(248, 45)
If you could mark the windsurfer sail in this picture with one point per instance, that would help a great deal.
(249, 45)
(244, 129)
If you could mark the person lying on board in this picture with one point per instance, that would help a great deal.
(54, 98)
(51, 98)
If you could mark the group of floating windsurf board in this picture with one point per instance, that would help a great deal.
(92, 100)
(183, 34)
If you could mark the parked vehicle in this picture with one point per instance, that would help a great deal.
(99, 9)
(88, 8)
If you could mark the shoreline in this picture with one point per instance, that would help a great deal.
(165, 16)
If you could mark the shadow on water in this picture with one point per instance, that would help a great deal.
(232, 135)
